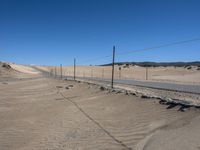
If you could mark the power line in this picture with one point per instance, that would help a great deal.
(159, 46)
(144, 49)
(96, 59)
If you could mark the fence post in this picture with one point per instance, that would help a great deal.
(91, 73)
(103, 73)
(120, 72)
(74, 69)
(55, 72)
(146, 73)
(113, 66)
(61, 71)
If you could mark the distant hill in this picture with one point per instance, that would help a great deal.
(158, 64)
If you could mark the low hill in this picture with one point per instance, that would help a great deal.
(15, 70)
(158, 64)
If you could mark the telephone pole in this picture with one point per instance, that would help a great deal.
(113, 66)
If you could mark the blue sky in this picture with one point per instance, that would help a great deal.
(50, 32)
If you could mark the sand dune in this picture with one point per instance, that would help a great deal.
(10, 71)
(24, 69)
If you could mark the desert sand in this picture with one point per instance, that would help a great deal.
(40, 113)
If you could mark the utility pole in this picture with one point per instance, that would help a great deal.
(61, 71)
(113, 66)
(74, 69)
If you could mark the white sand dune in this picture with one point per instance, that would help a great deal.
(24, 69)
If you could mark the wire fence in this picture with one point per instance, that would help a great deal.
(129, 72)
(184, 74)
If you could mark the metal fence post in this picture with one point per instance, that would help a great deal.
(113, 66)
(146, 73)
(61, 71)
(120, 69)
(55, 72)
(103, 73)
(74, 69)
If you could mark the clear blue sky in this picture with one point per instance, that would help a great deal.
(50, 32)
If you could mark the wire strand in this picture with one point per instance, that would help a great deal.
(141, 50)
(159, 46)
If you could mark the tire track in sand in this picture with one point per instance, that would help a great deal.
(95, 122)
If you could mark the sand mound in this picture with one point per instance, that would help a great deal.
(5, 69)
(10, 70)
(4, 66)
(24, 69)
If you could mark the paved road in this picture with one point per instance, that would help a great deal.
(150, 84)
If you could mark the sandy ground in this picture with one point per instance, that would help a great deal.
(160, 74)
(40, 113)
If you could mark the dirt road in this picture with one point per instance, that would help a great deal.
(48, 114)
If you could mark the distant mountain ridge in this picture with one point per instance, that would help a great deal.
(158, 64)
